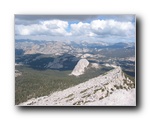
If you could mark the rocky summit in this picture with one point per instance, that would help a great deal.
(80, 67)
(111, 88)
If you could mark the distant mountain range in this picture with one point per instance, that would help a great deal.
(59, 47)
(64, 55)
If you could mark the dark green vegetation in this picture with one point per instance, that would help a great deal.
(35, 83)
(128, 68)
(130, 73)
(126, 65)
(19, 52)
(42, 61)
(35, 61)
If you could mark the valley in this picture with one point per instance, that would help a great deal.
(45, 67)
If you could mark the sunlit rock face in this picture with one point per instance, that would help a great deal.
(80, 67)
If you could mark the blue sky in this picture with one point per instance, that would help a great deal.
(107, 28)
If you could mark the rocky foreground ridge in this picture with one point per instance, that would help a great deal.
(111, 88)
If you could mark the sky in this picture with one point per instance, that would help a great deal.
(106, 28)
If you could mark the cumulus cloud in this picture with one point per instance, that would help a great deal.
(112, 27)
(99, 29)
(80, 28)
(52, 27)
(103, 28)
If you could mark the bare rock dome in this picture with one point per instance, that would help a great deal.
(80, 67)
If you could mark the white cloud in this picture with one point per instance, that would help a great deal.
(52, 27)
(112, 28)
(103, 28)
(80, 28)
(97, 29)
(55, 24)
